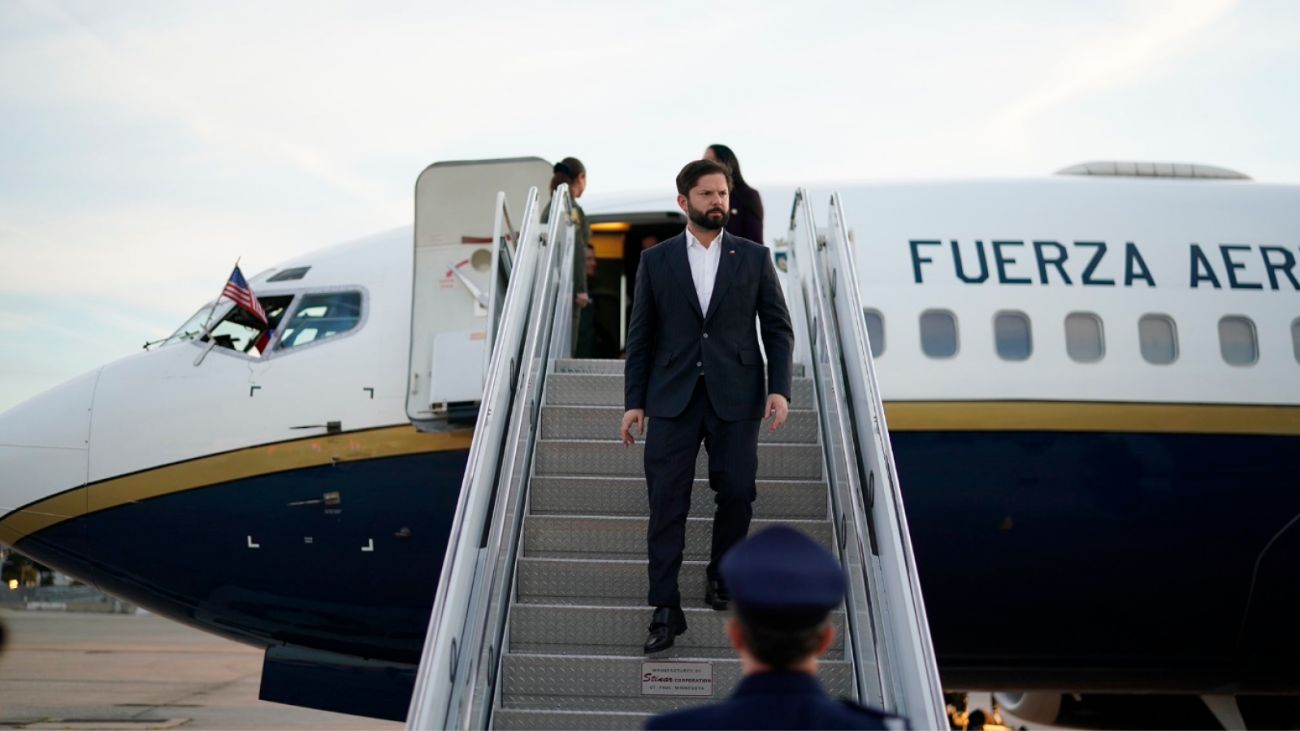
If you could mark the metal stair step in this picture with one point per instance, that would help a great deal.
(570, 536)
(777, 499)
(602, 423)
(514, 719)
(613, 684)
(592, 458)
(565, 629)
(597, 389)
(592, 581)
(590, 366)
(614, 366)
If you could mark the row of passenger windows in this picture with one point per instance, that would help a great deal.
(1085, 340)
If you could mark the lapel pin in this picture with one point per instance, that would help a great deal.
(731, 251)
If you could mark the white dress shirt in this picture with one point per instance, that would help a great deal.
(704, 266)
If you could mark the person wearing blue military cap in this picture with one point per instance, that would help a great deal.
(784, 587)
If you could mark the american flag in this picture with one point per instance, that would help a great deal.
(238, 290)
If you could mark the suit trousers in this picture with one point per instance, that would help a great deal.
(671, 447)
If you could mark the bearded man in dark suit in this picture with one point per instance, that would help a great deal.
(694, 370)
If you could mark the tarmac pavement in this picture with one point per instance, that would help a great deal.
(113, 671)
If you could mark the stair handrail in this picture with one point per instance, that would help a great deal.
(549, 335)
(873, 535)
(456, 680)
(807, 304)
(921, 676)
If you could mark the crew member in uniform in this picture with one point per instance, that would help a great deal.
(694, 368)
(784, 586)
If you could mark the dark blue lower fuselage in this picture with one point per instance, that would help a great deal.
(307, 581)
(1048, 560)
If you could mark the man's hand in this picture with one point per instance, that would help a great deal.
(581, 299)
(776, 404)
(630, 417)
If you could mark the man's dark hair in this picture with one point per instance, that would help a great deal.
(696, 169)
(780, 647)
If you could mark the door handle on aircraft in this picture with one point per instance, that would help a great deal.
(474, 290)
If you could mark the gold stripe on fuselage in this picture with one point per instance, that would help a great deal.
(903, 416)
(239, 464)
(1091, 416)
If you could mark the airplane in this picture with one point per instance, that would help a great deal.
(1090, 380)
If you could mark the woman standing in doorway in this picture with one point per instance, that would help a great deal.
(746, 206)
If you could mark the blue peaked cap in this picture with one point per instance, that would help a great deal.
(782, 575)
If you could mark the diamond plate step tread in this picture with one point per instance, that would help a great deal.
(567, 536)
(512, 719)
(602, 423)
(590, 458)
(588, 581)
(777, 499)
(595, 630)
(577, 683)
(583, 389)
(615, 366)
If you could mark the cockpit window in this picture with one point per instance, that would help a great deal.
(289, 275)
(192, 328)
(242, 331)
(321, 316)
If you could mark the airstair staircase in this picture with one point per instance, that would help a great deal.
(579, 617)
(540, 614)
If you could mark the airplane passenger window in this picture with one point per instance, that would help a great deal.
(875, 331)
(1237, 340)
(1295, 338)
(1083, 337)
(320, 316)
(1158, 338)
(1011, 336)
(938, 333)
(242, 331)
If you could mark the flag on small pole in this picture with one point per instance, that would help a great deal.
(241, 294)
(237, 289)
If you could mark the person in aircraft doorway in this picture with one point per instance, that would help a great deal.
(693, 367)
(571, 171)
(746, 205)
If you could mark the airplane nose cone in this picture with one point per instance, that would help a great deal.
(44, 448)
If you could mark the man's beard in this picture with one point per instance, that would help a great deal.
(708, 222)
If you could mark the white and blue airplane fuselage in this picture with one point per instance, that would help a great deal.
(1092, 387)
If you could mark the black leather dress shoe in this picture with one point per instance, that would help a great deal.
(665, 624)
(716, 595)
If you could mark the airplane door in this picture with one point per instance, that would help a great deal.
(456, 277)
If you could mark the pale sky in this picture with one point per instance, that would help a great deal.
(146, 145)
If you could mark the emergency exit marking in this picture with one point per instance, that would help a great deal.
(677, 678)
